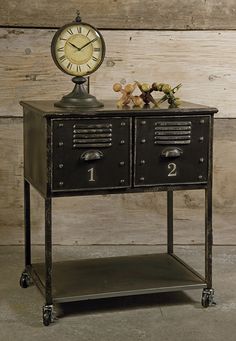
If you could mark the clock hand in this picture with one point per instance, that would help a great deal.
(90, 42)
(78, 48)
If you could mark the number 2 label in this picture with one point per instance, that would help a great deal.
(172, 166)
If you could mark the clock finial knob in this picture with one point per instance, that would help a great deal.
(78, 17)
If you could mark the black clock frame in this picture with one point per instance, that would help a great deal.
(56, 36)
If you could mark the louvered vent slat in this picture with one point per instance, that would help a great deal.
(173, 132)
(171, 138)
(92, 135)
(171, 123)
(167, 133)
(91, 140)
(92, 131)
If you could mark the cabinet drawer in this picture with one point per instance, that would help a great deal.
(171, 150)
(90, 153)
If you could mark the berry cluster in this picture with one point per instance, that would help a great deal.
(146, 94)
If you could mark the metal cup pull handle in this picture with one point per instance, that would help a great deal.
(91, 155)
(172, 152)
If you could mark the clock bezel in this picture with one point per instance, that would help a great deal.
(55, 39)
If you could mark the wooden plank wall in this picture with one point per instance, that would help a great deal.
(192, 42)
(122, 14)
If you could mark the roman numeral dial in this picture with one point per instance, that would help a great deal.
(78, 49)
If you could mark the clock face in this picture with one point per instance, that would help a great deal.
(78, 49)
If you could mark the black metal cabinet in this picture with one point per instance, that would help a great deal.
(109, 151)
(90, 154)
(171, 150)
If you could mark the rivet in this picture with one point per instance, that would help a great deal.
(61, 165)
(200, 177)
(61, 183)
(122, 181)
(143, 141)
(142, 162)
(122, 163)
(202, 121)
(60, 144)
(60, 125)
(123, 124)
(201, 160)
(143, 122)
(142, 178)
(122, 141)
(74, 126)
(201, 139)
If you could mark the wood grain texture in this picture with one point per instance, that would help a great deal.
(203, 61)
(11, 175)
(132, 14)
(119, 219)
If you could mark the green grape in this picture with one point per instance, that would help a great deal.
(129, 88)
(137, 101)
(166, 88)
(145, 87)
(117, 87)
(160, 86)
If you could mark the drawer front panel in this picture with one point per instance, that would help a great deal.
(90, 154)
(171, 150)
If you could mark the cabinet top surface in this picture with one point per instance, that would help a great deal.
(47, 109)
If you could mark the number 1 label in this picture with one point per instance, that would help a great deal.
(91, 174)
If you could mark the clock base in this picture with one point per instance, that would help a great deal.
(79, 97)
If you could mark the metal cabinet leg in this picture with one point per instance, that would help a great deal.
(208, 237)
(25, 278)
(27, 223)
(208, 292)
(48, 307)
(170, 244)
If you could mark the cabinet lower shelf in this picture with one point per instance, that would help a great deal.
(117, 276)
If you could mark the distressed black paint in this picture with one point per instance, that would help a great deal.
(56, 167)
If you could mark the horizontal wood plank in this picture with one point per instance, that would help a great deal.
(203, 62)
(132, 14)
(118, 219)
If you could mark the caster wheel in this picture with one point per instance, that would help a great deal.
(47, 315)
(207, 297)
(46, 318)
(24, 280)
(205, 300)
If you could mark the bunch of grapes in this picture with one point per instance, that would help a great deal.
(146, 94)
(169, 96)
(127, 96)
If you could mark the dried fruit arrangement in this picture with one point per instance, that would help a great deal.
(146, 94)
